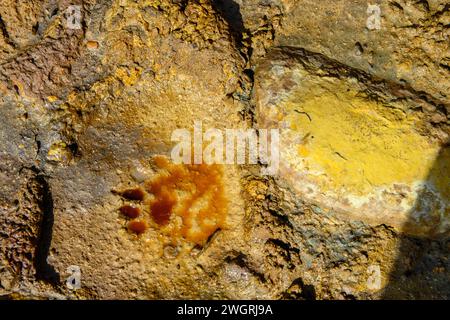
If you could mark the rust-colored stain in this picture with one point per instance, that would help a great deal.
(134, 194)
(183, 201)
(91, 44)
(137, 226)
(130, 211)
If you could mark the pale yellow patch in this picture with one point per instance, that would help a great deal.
(359, 144)
(128, 76)
(52, 99)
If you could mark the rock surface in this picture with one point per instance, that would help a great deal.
(358, 210)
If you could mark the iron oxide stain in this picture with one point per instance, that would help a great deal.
(137, 226)
(130, 211)
(134, 194)
(192, 193)
(183, 201)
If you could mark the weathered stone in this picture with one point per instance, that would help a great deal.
(411, 45)
(87, 114)
(355, 145)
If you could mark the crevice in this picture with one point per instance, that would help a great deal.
(396, 5)
(424, 4)
(38, 144)
(439, 13)
(5, 33)
(240, 260)
(298, 290)
(281, 218)
(231, 13)
(284, 245)
(45, 271)
(447, 67)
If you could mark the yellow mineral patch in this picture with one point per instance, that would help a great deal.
(59, 152)
(128, 76)
(52, 99)
(365, 158)
(92, 45)
(354, 143)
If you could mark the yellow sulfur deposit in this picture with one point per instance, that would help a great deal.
(358, 143)
(363, 157)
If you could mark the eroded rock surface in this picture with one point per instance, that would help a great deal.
(358, 210)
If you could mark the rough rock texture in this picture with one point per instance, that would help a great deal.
(411, 46)
(356, 145)
(359, 209)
